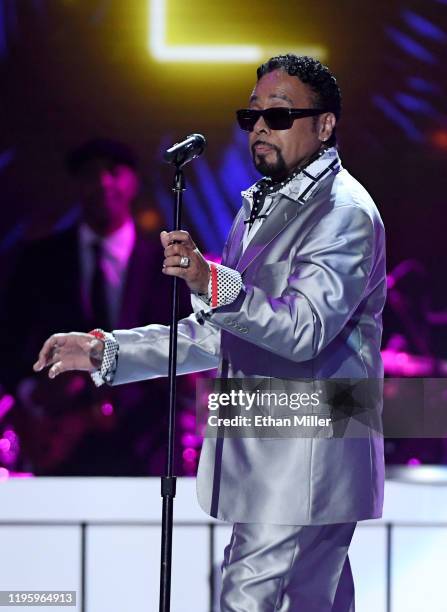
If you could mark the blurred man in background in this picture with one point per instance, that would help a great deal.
(100, 272)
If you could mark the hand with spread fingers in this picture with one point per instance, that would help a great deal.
(183, 259)
(72, 351)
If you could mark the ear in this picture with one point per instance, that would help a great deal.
(327, 125)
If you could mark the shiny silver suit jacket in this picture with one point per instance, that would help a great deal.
(314, 289)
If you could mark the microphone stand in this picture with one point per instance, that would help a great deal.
(168, 481)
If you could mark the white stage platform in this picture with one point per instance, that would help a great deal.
(100, 537)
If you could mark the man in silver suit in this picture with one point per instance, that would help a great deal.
(299, 295)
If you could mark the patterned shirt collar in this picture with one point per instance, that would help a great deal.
(304, 185)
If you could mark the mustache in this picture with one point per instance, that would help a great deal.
(267, 144)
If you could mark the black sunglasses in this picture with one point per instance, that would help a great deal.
(277, 118)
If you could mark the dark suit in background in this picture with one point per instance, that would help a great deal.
(73, 428)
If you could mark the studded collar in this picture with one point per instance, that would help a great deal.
(303, 183)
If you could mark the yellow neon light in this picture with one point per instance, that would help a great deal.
(208, 53)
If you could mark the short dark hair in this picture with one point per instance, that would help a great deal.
(101, 148)
(314, 74)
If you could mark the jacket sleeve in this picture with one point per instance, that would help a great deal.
(326, 283)
(144, 351)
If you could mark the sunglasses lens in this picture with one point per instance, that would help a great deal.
(278, 118)
(275, 118)
(247, 119)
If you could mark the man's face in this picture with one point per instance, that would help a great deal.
(107, 191)
(277, 153)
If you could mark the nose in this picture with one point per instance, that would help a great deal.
(261, 126)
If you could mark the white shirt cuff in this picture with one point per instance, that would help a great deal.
(229, 284)
(109, 361)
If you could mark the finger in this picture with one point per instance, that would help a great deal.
(180, 236)
(174, 260)
(55, 356)
(175, 271)
(178, 249)
(46, 352)
(164, 237)
(56, 369)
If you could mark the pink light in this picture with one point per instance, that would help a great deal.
(189, 454)
(5, 445)
(213, 257)
(75, 385)
(401, 358)
(390, 282)
(107, 409)
(10, 435)
(188, 420)
(4, 474)
(6, 403)
(414, 461)
(189, 439)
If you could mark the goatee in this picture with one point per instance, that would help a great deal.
(276, 170)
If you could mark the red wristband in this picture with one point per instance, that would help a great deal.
(213, 285)
(98, 334)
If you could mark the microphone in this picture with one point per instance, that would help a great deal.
(183, 152)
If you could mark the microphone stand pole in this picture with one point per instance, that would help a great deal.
(168, 481)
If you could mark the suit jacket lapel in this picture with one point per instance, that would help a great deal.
(285, 210)
(282, 214)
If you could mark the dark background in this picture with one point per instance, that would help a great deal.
(79, 68)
